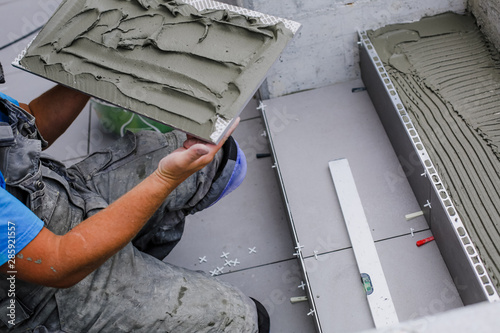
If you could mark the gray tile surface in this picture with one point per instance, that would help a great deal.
(418, 280)
(310, 129)
(20, 18)
(73, 144)
(273, 285)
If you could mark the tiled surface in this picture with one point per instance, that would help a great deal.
(273, 285)
(345, 125)
(310, 129)
(340, 299)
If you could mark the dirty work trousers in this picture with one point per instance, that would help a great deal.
(134, 291)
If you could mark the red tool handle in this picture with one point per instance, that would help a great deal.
(425, 240)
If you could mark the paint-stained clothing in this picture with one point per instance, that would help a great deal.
(133, 291)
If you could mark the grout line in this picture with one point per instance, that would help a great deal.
(20, 38)
(402, 235)
(377, 241)
(252, 118)
(258, 266)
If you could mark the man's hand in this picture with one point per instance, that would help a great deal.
(194, 155)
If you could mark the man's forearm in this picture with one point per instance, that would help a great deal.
(55, 110)
(91, 243)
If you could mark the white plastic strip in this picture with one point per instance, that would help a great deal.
(372, 275)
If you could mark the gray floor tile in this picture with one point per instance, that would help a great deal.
(250, 110)
(251, 216)
(419, 281)
(273, 285)
(311, 128)
(340, 301)
(417, 277)
(19, 18)
(99, 137)
(74, 143)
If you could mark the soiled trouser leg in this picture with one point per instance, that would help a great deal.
(133, 291)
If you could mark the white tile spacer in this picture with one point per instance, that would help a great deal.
(315, 254)
(252, 250)
(298, 299)
(411, 231)
(311, 312)
(413, 215)
(296, 254)
(203, 259)
(228, 263)
(224, 254)
(424, 174)
(428, 204)
(261, 106)
(235, 262)
(264, 134)
(220, 269)
(214, 272)
(299, 247)
(302, 285)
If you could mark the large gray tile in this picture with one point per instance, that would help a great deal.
(250, 111)
(311, 128)
(273, 285)
(73, 144)
(419, 281)
(417, 277)
(99, 136)
(21, 17)
(251, 216)
(9, 54)
(341, 304)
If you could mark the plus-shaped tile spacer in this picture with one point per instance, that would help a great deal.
(235, 262)
(224, 254)
(252, 250)
(203, 259)
(227, 263)
(214, 272)
(261, 106)
(311, 312)
(302, 285)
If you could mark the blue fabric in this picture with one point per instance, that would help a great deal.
(10, 99)
(18, 224)
(238, 175)
(3, 117)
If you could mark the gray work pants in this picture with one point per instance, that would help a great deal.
(134, 291)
